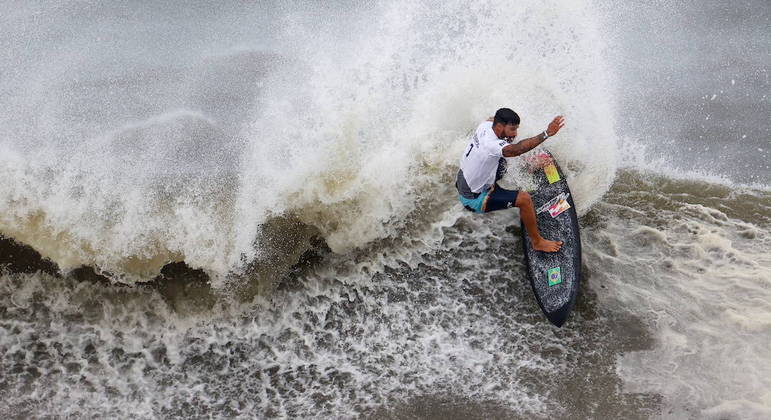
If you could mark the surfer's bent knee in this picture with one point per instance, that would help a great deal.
(523, 198)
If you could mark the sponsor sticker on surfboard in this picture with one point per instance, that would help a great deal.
(556, 205)
(551, 173)
(557, 208)
(554, 276)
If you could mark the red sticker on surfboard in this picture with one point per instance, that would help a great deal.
(556, 205)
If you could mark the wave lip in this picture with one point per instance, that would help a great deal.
(128, 202)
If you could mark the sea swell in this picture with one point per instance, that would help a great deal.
(248, 210)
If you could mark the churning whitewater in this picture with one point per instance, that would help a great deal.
(185, 151)
(248, 211)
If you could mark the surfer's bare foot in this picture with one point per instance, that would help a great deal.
(546, 246)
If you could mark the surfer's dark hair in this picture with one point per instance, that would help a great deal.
(505, 116)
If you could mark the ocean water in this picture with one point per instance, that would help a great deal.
(247, 210)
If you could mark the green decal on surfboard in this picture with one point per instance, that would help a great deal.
(551, 173)
(554, 276)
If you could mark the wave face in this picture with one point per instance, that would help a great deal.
(130, 142)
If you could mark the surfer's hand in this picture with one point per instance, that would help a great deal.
(555, 125)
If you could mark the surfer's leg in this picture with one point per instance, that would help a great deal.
(527, 214)
(500, 198)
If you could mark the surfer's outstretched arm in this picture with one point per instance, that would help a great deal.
(531, 143)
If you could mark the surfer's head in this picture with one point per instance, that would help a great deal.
(505, 123)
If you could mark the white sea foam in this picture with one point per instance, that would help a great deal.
(347, 132)
(129, 140)
(700, 279)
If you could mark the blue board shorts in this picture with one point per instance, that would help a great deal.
(491, 199)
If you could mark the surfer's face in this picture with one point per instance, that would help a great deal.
(510, 130)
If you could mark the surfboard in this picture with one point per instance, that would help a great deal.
(554, 277)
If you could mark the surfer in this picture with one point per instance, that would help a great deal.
(483, 164)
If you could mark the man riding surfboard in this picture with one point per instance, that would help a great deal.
(482, 165)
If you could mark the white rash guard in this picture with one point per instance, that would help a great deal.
(480, 159)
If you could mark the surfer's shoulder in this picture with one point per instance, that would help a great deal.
(485, 131)
(485, 125)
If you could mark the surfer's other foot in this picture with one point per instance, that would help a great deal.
(547, 246)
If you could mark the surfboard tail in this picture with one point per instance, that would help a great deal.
(559, 316)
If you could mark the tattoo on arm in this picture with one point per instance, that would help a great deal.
(523, 146)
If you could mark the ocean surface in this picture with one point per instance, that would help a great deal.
(247, 210)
